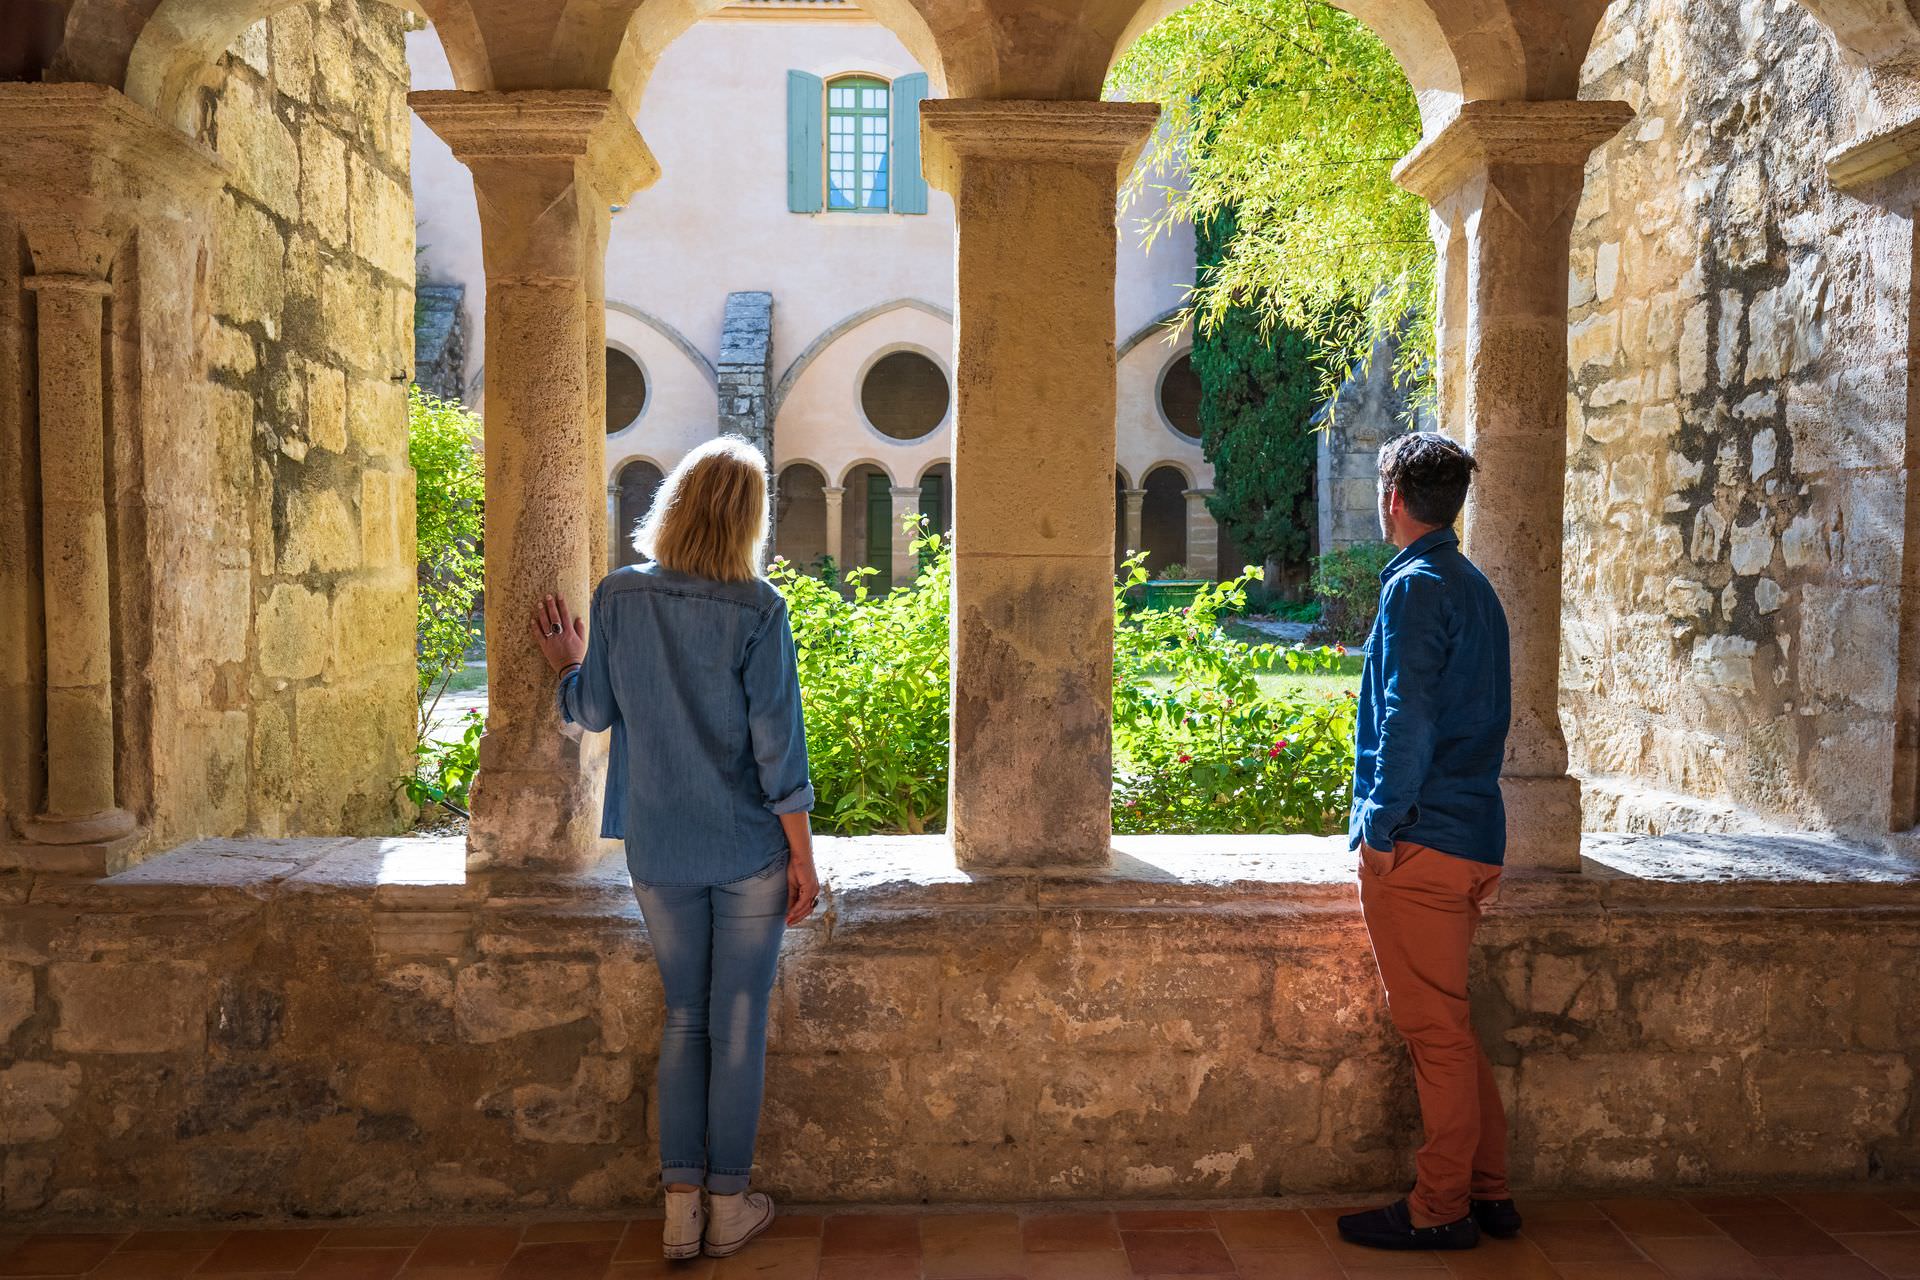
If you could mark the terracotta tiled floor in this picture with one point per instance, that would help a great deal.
(1871, 1235)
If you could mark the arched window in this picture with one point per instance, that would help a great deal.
(853, 144)
(857, 144)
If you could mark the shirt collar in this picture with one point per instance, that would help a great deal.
(1441, 537)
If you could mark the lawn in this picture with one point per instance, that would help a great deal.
(1329, 683)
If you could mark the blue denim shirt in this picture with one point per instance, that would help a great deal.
(697, 680)
(1435, 699)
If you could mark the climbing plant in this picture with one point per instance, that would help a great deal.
(1289, 115)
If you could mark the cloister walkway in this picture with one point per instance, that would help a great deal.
(1872, 1235)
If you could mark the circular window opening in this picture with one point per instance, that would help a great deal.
(626, 390)
(1180, 397)
(905, 395)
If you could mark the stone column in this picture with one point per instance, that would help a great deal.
(835, 529)
(906, 564)
(546, 165)
(1034, 187)
(1509, 175)
(1203, 536)
(1135, 500)
(80, 796)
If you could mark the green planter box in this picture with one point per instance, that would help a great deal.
(1171, 593)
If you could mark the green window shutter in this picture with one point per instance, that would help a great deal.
(909, 183)
(805, 192)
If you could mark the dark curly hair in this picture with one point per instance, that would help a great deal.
(1430, 473)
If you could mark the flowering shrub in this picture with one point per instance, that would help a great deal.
(1199, 746)
(873, 681)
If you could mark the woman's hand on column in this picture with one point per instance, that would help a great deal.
(562, 639)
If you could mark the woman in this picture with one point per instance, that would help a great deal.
(690, 661)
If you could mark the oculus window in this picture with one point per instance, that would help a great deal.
(1180, 397)
(626, 390)
(905, 395)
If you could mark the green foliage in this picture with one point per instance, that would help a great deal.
(873, 681)
(1289, 115)
(1207, 750)
(874, 673)
(1260, 385)
(1347, 583)
(446, 769)
(449, 496)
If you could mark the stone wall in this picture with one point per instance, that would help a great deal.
(350, 1027)
(1368, 411)
(1737, 427)
(309, 353)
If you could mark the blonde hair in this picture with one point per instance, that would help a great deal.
(709, 518)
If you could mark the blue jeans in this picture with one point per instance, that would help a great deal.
(717, 947)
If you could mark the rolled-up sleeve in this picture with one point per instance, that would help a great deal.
(586, 692)
(1413, 653)
(772, 678)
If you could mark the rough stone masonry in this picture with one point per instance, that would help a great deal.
(338, 1027)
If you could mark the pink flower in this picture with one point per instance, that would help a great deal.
(1340, 649)
(1185, 758)
(1274, 750)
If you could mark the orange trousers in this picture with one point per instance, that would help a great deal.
(1421, 906)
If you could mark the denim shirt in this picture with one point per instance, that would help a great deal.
(697, 680)
(1435, 699)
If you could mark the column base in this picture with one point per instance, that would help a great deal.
(89, 828)
(987, 857)
(1543, 823)
(94, 858)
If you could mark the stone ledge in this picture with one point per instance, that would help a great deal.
(1721, 871)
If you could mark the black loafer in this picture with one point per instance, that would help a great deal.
(1392, 1228)
(1498, 1218)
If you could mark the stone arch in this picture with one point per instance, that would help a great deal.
(1163, 515)
(635, 481)
(800, 514)
(865, 461)
(838, 329)
(651, 25)
(671, 334)
(867, 514)
(1871, 31)
(1158, 327)
(175, 50)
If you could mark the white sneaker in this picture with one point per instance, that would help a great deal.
(686, 1223)
(734, 1220)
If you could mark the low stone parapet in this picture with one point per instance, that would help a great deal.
(342, 1027)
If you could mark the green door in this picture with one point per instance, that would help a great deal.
(933, 506)
(880, 529)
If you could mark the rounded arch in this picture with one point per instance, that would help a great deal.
(1163, 516)
(1158, 327)
(932, 466)
(635, 482)
(1178, 468)
(655, 24)
(800, 514)
(867, 462)
(840, 328)
(1872, 31)
(176, 50)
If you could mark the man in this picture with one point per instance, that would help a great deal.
(1431, 833)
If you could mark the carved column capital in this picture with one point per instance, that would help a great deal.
(83, 164)
(1486, 133)
(1107, 135)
